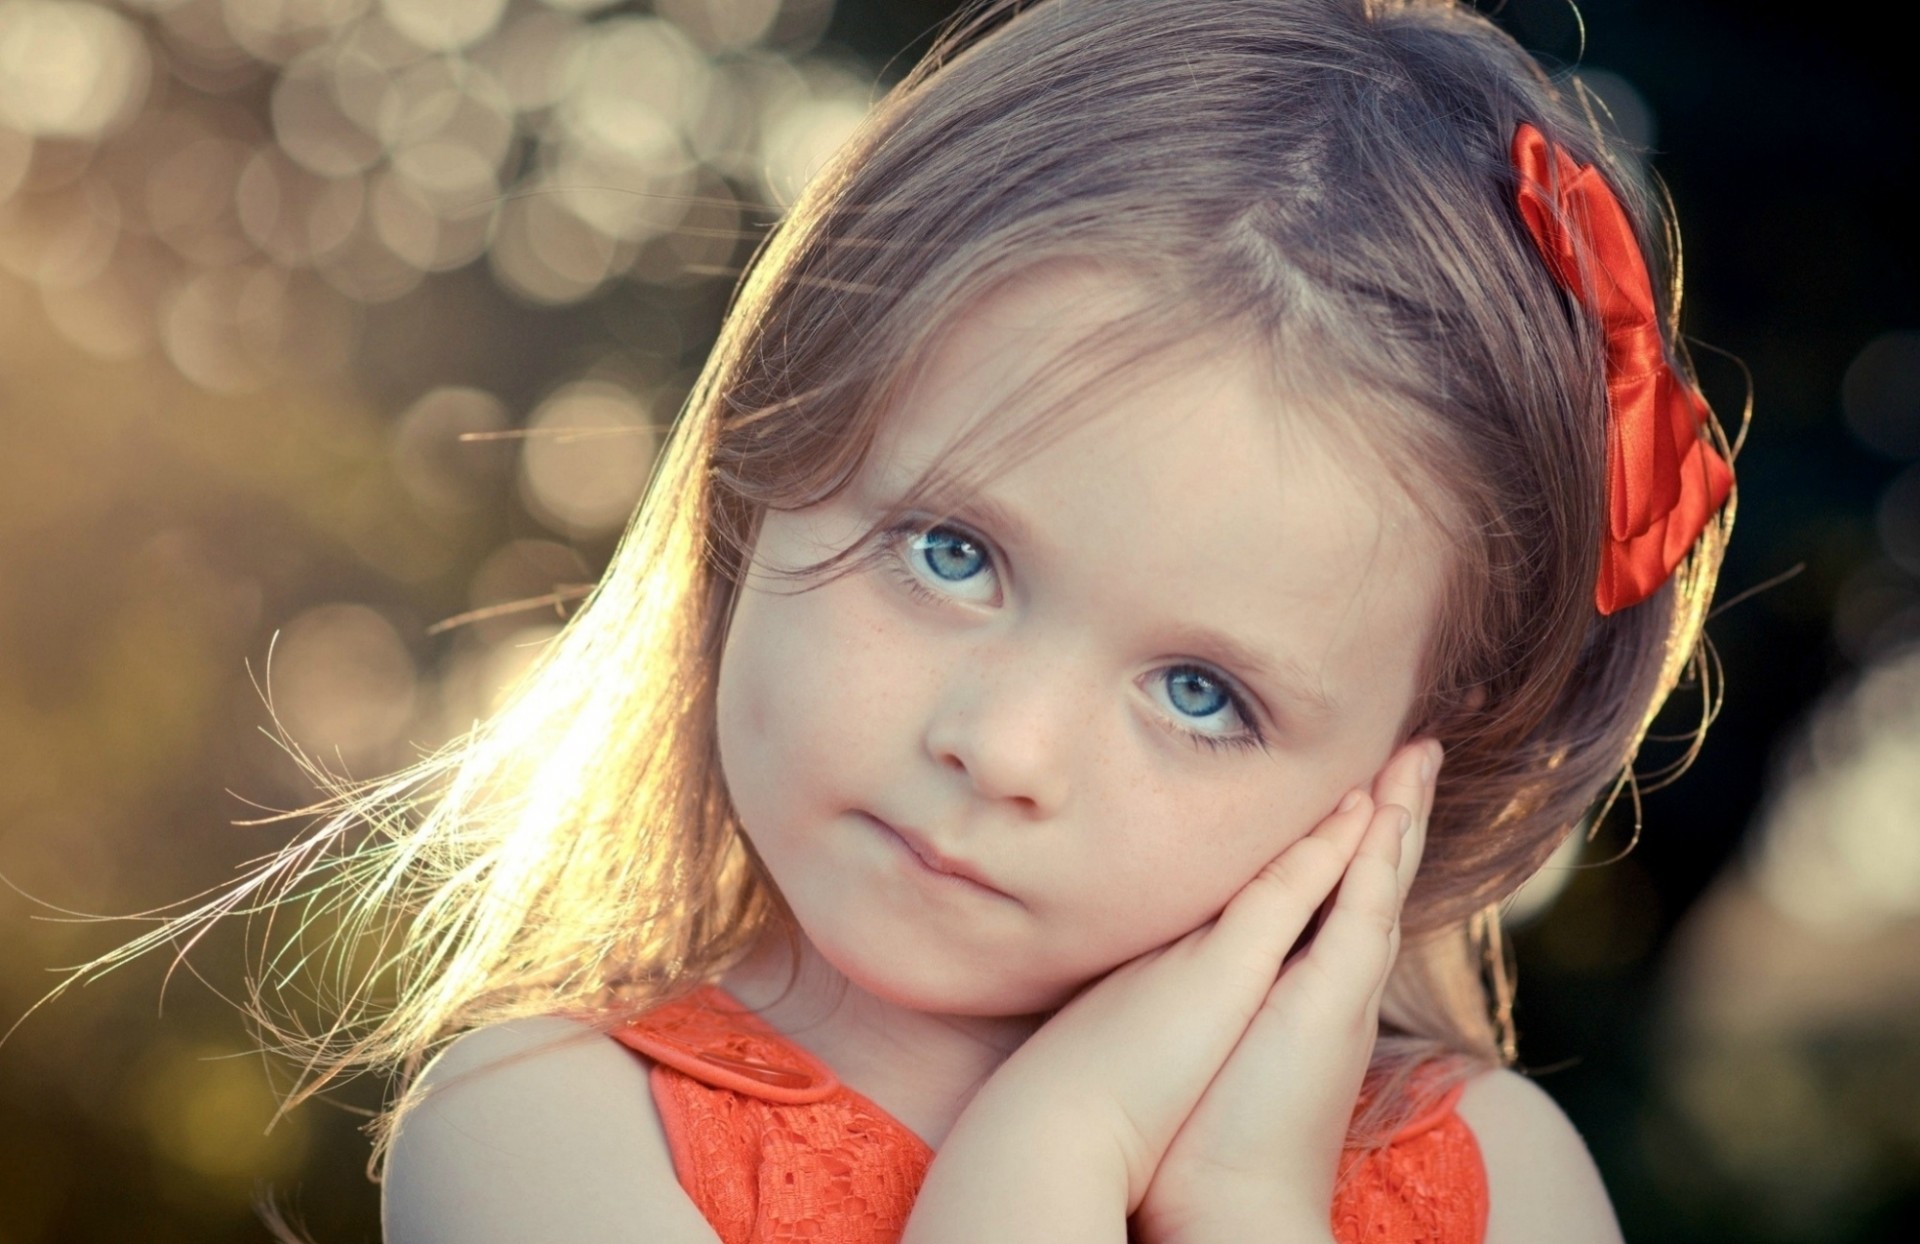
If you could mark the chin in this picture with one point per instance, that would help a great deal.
(980, 991)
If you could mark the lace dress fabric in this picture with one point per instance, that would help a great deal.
(771, 1147)
(1427, 1185)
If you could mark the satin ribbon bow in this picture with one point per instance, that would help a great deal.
(1664, 479)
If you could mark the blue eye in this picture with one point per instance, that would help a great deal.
(949, 555)
(1195, 694)
(944, 563)
(1206, 709)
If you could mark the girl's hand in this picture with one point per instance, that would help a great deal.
(1103, 1087)
(1260, 1151)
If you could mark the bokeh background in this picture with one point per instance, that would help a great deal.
(351, 322)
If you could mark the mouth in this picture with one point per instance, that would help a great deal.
(934, 861)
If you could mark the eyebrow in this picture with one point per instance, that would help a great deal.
(1293, 680)
(1006, 525)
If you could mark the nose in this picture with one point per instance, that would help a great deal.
(1006, 726)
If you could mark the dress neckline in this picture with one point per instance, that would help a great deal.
(712, 1037)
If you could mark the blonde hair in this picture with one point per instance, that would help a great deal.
(1328, 177)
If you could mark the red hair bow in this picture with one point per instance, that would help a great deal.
(1664, 479)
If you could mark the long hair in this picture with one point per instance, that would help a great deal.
(1329, 178)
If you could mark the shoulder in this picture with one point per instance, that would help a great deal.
(539, 1128)
(1541, 1181)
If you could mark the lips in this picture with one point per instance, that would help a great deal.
(933, 859)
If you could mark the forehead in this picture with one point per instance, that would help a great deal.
(1159, 492)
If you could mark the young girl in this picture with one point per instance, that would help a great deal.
(1185, 466)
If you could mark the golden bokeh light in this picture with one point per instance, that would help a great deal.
(69, 69)
(1839, 848)
(573, 146)
(528, 56)
(722, 25)
(548, 255)
(343, 684)
(207, 1110)
(309, 121)
(440, 452)
(588, 451)
(274, 31)
(804, 125)
(443, 25)
(522, 582)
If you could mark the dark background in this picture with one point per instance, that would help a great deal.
(214, 431)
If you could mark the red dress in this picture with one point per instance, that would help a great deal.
(772, 1147)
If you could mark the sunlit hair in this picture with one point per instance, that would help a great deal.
(1326, 179)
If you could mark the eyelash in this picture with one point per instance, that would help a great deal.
(1250, 737)
(894, 541)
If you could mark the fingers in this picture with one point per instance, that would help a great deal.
(1308, 1037)
(1377, 834)
(1353, 952)
(1309, 1043)
(1341, 973)
(1282, 896)
(1407, 781)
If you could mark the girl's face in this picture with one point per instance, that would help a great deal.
(1063, 724)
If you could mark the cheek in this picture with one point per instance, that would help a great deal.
(1184, 849)
(1179, 850)
(763, 693)
(807, 688)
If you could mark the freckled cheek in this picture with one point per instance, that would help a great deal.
(806, 677)
(1184, 852)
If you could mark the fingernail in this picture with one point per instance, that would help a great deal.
(1406, 820)
(1349, 801)
(1429, 761)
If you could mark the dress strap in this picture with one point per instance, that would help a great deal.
(710, 1037)
(1427, 1183)
(767, 1143)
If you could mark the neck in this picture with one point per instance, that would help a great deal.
(918, 1066)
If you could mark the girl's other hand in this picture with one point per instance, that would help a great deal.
(1261, 1149)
